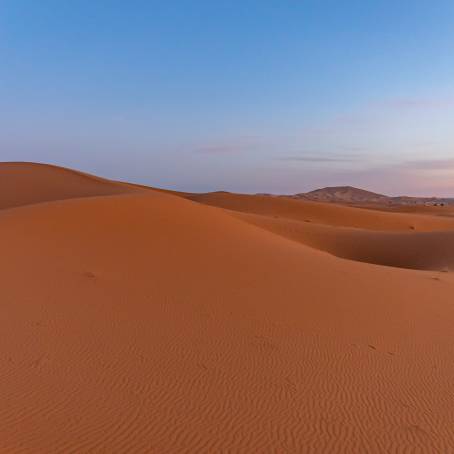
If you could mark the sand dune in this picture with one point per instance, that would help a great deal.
(420, 250)
(145, 322)
(325, 213)
(27, 183)
(446, 210)
(408, 240)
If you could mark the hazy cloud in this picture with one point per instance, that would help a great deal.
(321, 159)
(422, 103)
(235, 145)
(433, 164)
(218, 149)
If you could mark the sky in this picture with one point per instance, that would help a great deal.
(279, 96)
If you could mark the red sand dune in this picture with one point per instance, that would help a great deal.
(420, 250)
(324, 213)
(145, 322)
(27, 183)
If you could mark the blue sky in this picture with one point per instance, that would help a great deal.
(249, 96)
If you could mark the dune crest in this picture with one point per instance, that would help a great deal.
(25, 183)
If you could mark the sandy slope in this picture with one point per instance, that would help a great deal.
(420, 250)
(324, 213)
(24, 183)
(150, 323)
(446, 210)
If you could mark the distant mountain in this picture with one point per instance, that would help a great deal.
(352, 195)
(345, 194)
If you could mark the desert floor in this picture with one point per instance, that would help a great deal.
(143, 320)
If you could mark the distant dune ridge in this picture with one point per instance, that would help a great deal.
(143, 320)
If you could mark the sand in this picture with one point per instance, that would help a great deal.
(28, 183)
(325, 213)
(143, 321)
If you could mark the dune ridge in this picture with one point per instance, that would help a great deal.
(147, 322)
(25, 183)
(430, 250)
(324, 213)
